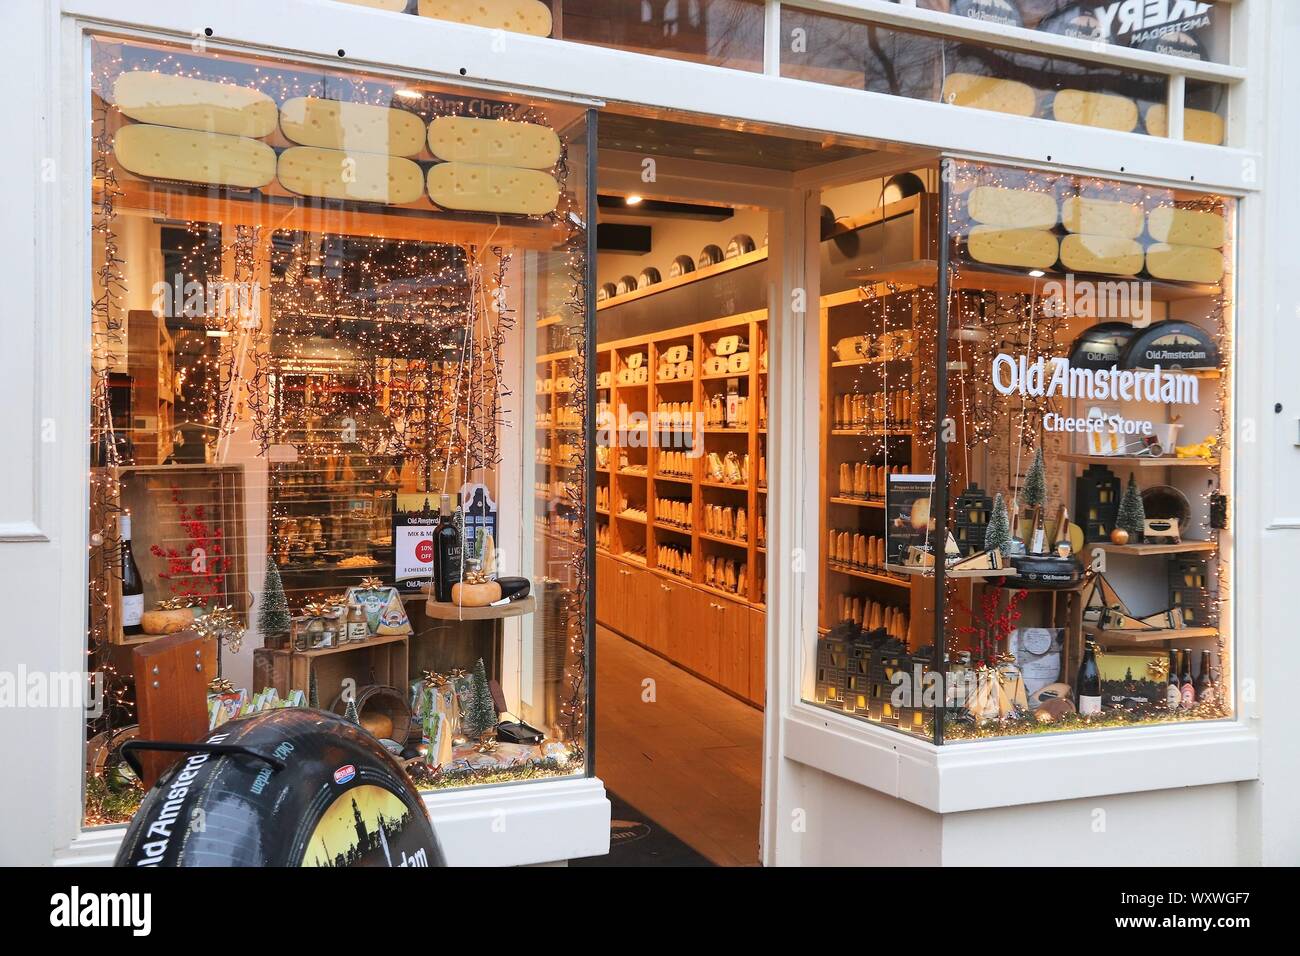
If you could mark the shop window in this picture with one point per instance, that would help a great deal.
(313, 438)
(846, 52)
(727, 33)
(1076, 502)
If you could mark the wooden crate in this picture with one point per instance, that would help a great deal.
(380, 660)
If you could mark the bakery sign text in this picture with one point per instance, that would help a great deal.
(1150, 17)
(1012, 374)
(231, 303)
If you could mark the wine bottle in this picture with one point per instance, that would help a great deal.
(1038, 537)
(1205, 680)
(447, 550)
(1062, 545)
(132, 583)
(1088, 685)
(1187, 685)
(1173, 690)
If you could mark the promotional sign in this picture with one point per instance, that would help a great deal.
(414, 518)
(907, 509)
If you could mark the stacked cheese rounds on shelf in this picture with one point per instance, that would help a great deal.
(351, 151)
(493, 166)
(1012, 227)
(1102, 236)
(1188, 244)
(193, 130)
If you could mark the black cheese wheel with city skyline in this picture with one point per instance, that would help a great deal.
(340, 800)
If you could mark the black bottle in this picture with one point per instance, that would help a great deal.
(446, 552)
(132, 583)
(1088, 686)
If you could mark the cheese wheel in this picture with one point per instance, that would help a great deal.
(1102, 217)
(362, 177)
(1032, 248)
(355, 127)
(1185, 263)
(194, 104)
(493, 142)
(517, 16)
(1112, 255)
(1095, 109)
(1022, 208)
(1199, 126)
(167, 621)
(499, 189)
(188, 155)
(987, 93)
(1187, 227)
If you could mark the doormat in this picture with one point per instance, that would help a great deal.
(636, 840)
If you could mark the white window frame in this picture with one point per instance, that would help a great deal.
(45, 520)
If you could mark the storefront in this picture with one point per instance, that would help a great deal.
(898, 376)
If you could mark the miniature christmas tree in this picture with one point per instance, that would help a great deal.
(997, 536)
(350, 712)
(481, 717)
(1034, 492)
(1132, 516)
(273, 612)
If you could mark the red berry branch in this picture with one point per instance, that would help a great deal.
(208, 584)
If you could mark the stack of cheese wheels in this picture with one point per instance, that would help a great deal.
(1095, 109)
(1102, 236)
(351, 151)
(990, 93)
(517, 16)
(1013, 227)
(1199, 126)
(195, 131)
(494, 166)
(1188, 244)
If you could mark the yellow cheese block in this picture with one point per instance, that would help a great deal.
(987, 93)
(500, 189)
(493, 142)
(517, 16)
(1031, 248)
(1095, 109)
(1187, 227)
(361, 177)
(1185, 263)
(395, 5)
(1199, 126)
(1112, 255)
(1102, 217)
(351, 126)
(189, 155)
(1023, 208)
(194, 104)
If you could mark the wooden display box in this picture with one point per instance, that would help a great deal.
(380, 660)
(159, 498)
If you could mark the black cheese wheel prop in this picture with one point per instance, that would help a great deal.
(292, 787)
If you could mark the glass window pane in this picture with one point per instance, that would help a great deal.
(718, 32)
(318, 296)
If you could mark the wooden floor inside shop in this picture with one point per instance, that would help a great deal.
(691, 760)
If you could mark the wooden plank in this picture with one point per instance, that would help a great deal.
(1139, 461)
(1145, 549)
(171, 686)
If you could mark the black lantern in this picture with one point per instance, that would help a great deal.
(971, 519)
(1096, 502)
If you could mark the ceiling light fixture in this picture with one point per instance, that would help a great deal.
(634, 199)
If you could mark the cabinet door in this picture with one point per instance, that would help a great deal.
(668, 609)
(710, 640)
(733, 648)
(757, 656)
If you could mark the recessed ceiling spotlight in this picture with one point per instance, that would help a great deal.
(634, 200)
(1037, 273)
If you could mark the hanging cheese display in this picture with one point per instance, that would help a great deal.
(494, 142)
(1199, 126)
(355, 127)
(987, 93)
(474, 187)
(194, 104)
(357, 176)
(1022, 208)
(1110, 255)
(1184, 263)
(1102, 217)
(1103, 110)
(1187, 227)
(1031, 248)
(516, 16)
(164, 152)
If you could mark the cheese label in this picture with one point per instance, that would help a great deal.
(188, 103)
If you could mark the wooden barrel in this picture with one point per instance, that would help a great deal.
(377, 706)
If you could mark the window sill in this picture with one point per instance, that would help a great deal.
(508, 825)
(1016, 771)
